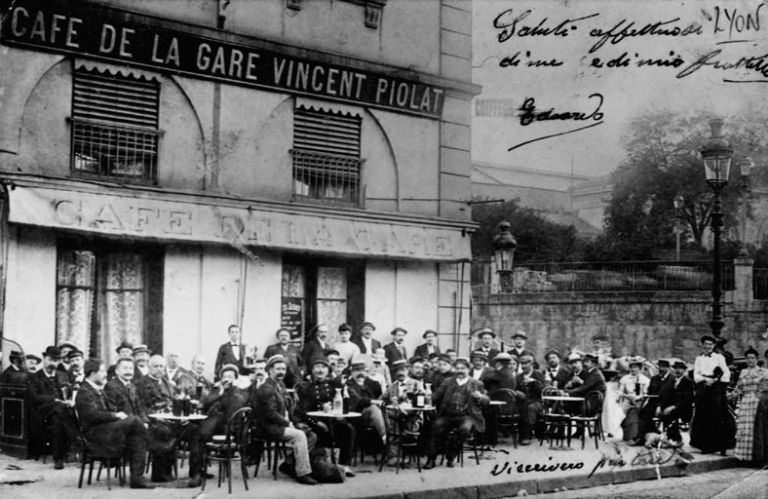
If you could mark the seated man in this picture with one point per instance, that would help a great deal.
(677, 407)
(443, 372)
(124, 351)
(122, 396)
(275, 420)
(291, 354)
(480, 368)
(219, 407)
(49, 408)
(312, 394)
(364, 393)
(75, 369)
(530, 384)
(586, 377)
(501, 377)
(15, 374)
(141, 355)
(418, 369)
(555, 375)
(193, 382)
(109, 429)
(154, 390)
(458, 402)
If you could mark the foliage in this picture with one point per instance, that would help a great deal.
(663, 162)
(538, 239)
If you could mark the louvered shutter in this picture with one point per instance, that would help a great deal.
(327, 133)
(119, 100)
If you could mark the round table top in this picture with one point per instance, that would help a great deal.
(413, 408)
(170, 417)
(497, 402)
(321, 414)
(563, 398)
(650, 396)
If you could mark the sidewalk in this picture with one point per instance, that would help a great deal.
(502, 472)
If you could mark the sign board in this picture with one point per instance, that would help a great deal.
(93, 30)
(244, 225)
(292, 316)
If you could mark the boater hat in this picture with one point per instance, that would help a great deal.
(520, 334)
(480, 354)
(274, 360)
(462, 360)
(229, 367)
(574, 356)
(482, 332)
(394, 331)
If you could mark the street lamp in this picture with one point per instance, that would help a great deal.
(678, 203)
(717, 155)
(504, 245)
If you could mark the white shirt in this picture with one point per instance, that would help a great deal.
(347, 350)
(368, 343)
(705, 365)
(236, 350)
(461, 382)
(628, 383)
(477, 373)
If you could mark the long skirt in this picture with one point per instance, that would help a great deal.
(613, 414)
(712, 427)
(745, 426)
(760, 440)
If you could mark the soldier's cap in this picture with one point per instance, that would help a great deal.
(368, 324)
(526, 359)
(679, 363)
(52, 352)
(319, 359)
(427, 332)
(229, 367)
(708, 337)
(399, 364)
(663, 362)
(394, 331)
(520, 334)
(552, 351)
(15, 354)
(74, 353)
(31, 356)
(480, 354)
(433, 355)
(275, 359)
(483, 331)
(635, 360)
(330, 351)
(124, 344)
(462, 360)
(141, 349)
(444, 357)
(502, 357)
(574, 356)
(67, 344)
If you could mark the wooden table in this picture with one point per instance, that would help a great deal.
(167, 416)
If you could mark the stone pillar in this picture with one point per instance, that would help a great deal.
(742, 275)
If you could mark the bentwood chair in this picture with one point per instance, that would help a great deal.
(589, 422)
(232, 446)
(93, 453)
(507, 417)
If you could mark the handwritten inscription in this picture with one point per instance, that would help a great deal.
(529, 113)
(510, 25)
(628, 29)
(732, 20)
(549, 466)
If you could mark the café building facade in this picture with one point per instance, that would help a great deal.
(171, 168)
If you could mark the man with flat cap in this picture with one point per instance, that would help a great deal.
(519, 339)
(712, 428)
(291, 355)
(75, 373)
(108, 428)
(396, 350)
(274, 418)
(555, 374)
(429, 346)
(51, 407)
(480, 369)
(459, 403)
(485, 337)
(366, 342)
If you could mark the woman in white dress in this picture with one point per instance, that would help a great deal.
(613, 414)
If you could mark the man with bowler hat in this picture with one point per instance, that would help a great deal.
(396, 350)
(486, 336)
(366, 342)
(429, 346)
(519, 339)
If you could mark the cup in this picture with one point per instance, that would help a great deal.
(327, 407)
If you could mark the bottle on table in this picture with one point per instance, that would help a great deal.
(338, 402)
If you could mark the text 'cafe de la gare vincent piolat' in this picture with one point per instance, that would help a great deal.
(164, 178)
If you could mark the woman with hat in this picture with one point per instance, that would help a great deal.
(632, 389)
(712, 428)
(751, 379)
(760, 439)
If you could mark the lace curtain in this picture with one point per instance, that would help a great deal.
(332, 298)
(123, 313)
(75, 283)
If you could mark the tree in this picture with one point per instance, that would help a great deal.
(538, 239)
(663, 162)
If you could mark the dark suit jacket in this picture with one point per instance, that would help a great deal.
(486, 372)
(421, 351)
(153, 395)
(392, 352)
(562, 376)
(375, 345)
(225, 356)
(665, 389)
(44, 391)
(492, 353)
(271, 409)
(496, 380)
(682, 397)
(95, 416)
(294, 360)
(313, 394)
(533, 388)
(360, 396)
(312, 349)
(593, 382)
(125, 398)
(514, 353)
(14, 376)
(443, 398)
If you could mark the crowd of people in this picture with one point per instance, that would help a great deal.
(111, 405)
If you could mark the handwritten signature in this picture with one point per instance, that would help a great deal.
(654, 456)
(550, 465)
(529, 113)
(626, 29)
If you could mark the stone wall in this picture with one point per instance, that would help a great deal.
(651, 324)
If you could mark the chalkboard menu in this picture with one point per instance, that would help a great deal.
(292, 316)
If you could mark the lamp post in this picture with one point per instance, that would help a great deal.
(717, 155)
(678, 203)
(504, 245)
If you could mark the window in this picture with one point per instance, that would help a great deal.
(115, 126)
(326, 156)
(321, 291)
(107, 293)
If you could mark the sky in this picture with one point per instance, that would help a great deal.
(621, 87)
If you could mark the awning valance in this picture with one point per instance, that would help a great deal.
(200, 219)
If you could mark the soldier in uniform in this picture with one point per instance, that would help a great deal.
(122, 395)
(312, 394)
(108, 428)
(51, 406)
